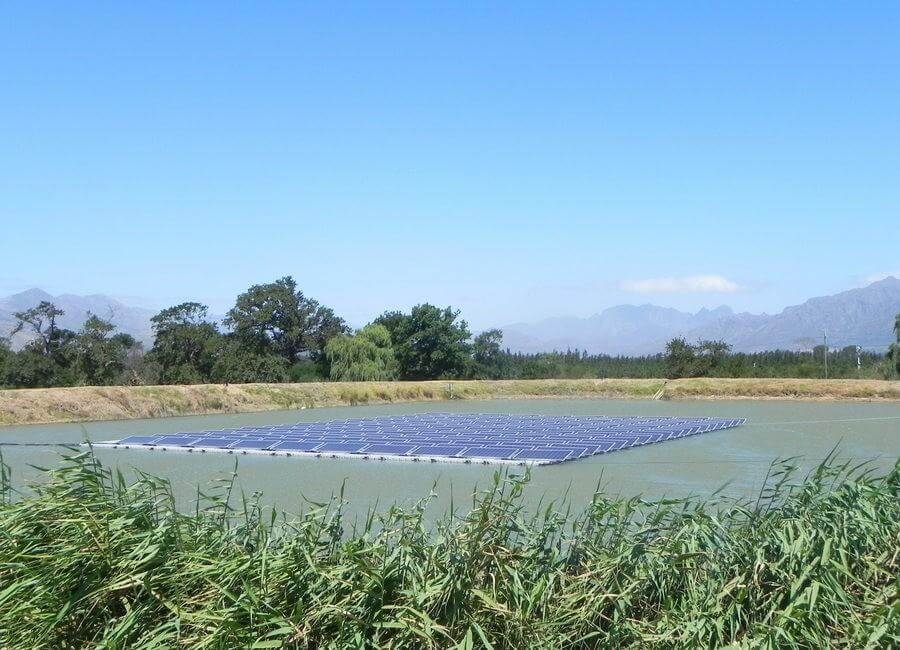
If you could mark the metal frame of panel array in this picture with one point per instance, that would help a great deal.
(439, 437)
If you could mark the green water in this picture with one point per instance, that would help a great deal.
(695, 465)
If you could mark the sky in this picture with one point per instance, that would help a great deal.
(516, 161)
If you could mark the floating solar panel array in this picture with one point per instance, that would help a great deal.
(489, 438)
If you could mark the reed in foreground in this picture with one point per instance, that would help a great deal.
(90, 560)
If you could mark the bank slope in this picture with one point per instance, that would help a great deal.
(82, 404)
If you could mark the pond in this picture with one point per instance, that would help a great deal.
(735, 458)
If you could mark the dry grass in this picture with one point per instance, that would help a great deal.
(50, 405)
(816, 389)
(46, 405)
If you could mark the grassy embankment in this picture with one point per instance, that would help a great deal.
(90, 562)
(46, 405)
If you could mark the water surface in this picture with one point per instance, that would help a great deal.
(698, 465)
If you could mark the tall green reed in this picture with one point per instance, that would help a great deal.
(90, 559)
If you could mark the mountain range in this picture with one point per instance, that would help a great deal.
(863, 317)
(133, 320)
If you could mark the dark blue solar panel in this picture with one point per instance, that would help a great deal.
(137, 440)
(252, 443)
(178, 440)
(213, 443)
(438, 450)
(398, 449)
(490, 452)
(513, 438)
(544, 454)
(345, 447)
(292, 445)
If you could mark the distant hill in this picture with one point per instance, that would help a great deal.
(857, 317)
(862, 317)
(133, 320)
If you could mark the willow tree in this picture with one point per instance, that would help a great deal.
(366, 356)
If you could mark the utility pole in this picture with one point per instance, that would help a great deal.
(825, 336)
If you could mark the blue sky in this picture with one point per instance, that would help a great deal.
(517, 162)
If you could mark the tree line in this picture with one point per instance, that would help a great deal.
(275, 333)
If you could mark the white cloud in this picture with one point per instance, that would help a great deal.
(687, 284)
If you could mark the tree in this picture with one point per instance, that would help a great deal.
(367, 356)
(277, 318)
(237, 365)
(395, 323)
(430, 343)
(709, 355)
(680, 358)
(30, 368)
(140, 368)
(98, 357)
(49, 339)
(685, 360)
(5, 355)
(44, 361)
(185, 344)
(893, 354)
(487, 354)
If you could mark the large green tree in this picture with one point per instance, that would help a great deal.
(395, 323)
(30, 368)
(40, 321)
(710, 357)
(186, 344)
(236, 364)
(681, 358)
(487, 355)
(686, 360)
(278, 318)
(97, 355)
(366, 356)
(429, 342)
(45, 359)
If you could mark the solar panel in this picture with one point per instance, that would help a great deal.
(345, 447)
(297, 445)
(459, 437)
(137, 440)
(178, 440)
(213, 443)
(439, 450)
(389, 449)
(490, 452)
(544, 454)
(252, 443)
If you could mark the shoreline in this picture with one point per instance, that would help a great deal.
(96, 403)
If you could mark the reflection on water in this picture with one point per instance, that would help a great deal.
(694, 465)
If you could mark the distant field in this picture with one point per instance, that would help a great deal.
(46, 405)
(830, 389)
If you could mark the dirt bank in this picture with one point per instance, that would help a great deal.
(46, 405)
